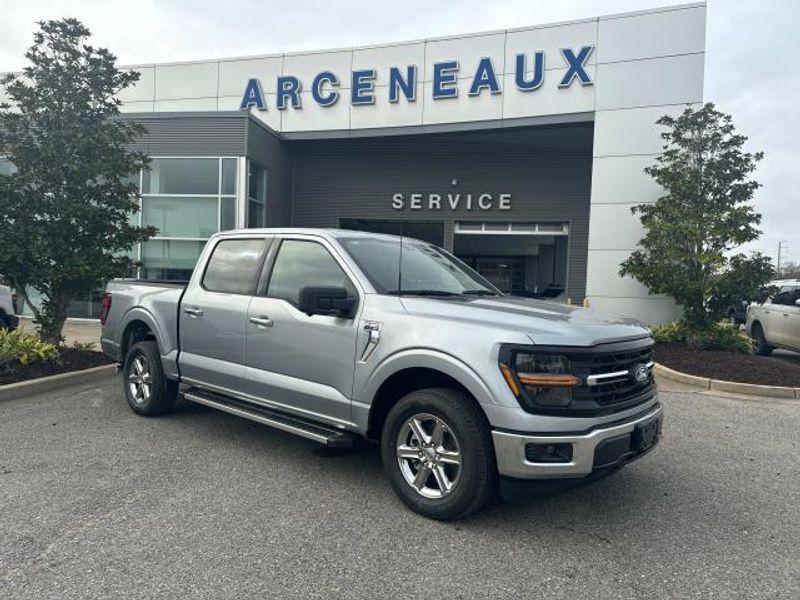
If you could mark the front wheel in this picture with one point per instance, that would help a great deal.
(437, 452)
(147, 390)
(760, 345)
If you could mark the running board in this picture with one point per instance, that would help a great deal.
(328, 436)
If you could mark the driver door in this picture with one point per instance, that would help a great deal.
(302, 363)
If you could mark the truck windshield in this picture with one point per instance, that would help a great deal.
(415, 268)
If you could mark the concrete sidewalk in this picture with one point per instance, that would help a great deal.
(83, 332)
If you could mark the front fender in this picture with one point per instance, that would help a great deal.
(428, 359)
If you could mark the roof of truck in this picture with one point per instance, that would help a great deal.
(320, 231)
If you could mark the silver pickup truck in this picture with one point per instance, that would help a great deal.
(335, 335)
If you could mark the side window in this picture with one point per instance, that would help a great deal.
(303, 263)
(234, 266)
(785, 297)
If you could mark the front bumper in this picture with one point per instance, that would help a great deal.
(600, 448)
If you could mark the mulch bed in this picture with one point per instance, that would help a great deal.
(727, 366)
(70, 359)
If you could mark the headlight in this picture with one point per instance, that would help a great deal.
(538, 380)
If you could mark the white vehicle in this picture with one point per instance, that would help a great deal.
(776, 322)
(7, 318)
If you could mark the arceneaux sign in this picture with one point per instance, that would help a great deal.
(403, 82)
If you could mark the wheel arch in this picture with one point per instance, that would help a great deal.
(402, 374)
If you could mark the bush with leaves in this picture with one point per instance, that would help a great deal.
(692, 231)
(719, 336)
(66, 226)
(23, 347)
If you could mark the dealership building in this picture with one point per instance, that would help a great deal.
(521, 151)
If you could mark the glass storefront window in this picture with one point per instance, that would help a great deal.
(181, 216)
(182, 176)
(170, 259)
(256, 194)
(228, 176)
(187, 200)
(227, 217)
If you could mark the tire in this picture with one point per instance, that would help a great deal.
(4, 322)
(469, 476)
(147, 390)
(760, 345)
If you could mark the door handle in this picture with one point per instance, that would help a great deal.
(194, 311)
(261, 321)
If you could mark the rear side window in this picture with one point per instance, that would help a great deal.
(300, 264)
(234, 266)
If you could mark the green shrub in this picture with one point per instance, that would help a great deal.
(669, 332)
(24, 347)
(720, 336)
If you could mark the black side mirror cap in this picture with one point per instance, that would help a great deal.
(327, 300)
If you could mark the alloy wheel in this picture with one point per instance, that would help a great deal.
(429, 455)
(140, 380)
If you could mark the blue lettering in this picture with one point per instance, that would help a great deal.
(362, 88)
(253, 96)
(407, 85)
(485, 78)
(288, 87)
(320, 97)
(577, 66)
(528, 85)
(444, 80)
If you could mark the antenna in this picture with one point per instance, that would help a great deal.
(400, 262)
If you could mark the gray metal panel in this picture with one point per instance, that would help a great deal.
(265, 147)
(186, 134)
(548, 171)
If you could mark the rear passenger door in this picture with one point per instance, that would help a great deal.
(785, 318)
(213, 314)
(301, 362)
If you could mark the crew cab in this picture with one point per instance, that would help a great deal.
(337, 335)
(776, 322)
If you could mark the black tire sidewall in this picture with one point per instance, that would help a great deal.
(474, 439)
(761, 346)
(163, 395)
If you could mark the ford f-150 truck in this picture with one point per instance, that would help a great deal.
(334, 335)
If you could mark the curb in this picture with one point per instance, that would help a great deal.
(731, 387)
(45, 384)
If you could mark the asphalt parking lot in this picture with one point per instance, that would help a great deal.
(96, 502)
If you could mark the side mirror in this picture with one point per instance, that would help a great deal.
(329, 300)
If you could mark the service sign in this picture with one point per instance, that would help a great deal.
(325, 85)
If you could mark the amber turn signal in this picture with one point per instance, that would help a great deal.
(546, 380)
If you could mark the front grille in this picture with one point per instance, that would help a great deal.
(615, 392)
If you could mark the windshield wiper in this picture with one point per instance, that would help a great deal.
(481, 293)
(423, 293)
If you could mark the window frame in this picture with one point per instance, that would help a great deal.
(253, 287)
(269, 266)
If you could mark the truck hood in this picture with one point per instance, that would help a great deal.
(545, 323)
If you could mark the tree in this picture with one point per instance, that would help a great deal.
(692, 232)
(67, 209)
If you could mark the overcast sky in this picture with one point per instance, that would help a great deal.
(750, 70)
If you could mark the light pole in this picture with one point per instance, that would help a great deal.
(781, 246)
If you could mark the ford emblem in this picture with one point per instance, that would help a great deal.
(641, 373)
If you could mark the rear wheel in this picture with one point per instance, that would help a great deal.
(147, 390)
(437, 452)
(760, 345)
